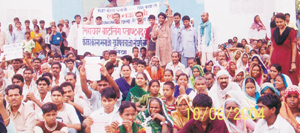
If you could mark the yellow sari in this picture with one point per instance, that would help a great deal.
(38, 46)
(178, 118)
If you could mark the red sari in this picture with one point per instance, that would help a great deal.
(282, 54)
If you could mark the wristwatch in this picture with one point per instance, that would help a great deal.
(162, 123)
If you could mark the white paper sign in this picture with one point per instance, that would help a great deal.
(13, 51)
(92, 68)
(98, 125)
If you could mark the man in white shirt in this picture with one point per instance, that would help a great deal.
(30, 85)
(41, 97)
(107, 114)
(57, 77)
(175, 64)
(65, 111)
(16, 64)
(271, 122)
(77, 101)
(72, 37)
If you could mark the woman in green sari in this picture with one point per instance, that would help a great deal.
(197, 71)
(156, 117)
(127, 112)
(140, 88)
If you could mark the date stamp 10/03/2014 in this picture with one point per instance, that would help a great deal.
(241, 114)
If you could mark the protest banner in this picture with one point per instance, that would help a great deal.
(122, 38)
(127, 14)
(13, 51)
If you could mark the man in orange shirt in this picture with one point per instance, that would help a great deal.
(155, 70)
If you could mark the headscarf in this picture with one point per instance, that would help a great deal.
(146, 118)
(229, 67)
(250, 100)
(261, 63)
(239, 71)
(286, 80)
(239, 62)
(267, 85)
(239, 96)
(232, 128)
(179, 119)
(192, 79)
(258, 80)
(135, 93)
(285, 110)
(235, 53)
(216, 65)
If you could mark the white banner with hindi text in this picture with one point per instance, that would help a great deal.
(127, 13)
(122, 38)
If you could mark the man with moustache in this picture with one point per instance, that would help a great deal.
(78, 102)
(154, 69)
(218, 91)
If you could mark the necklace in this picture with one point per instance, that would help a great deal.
(49, 128)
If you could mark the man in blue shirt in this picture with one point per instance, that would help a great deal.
(188, 41)
(55, 40)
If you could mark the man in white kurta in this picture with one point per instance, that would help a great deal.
(218, 91)
(206, 47)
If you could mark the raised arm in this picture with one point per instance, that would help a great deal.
(169, 13)
(84, 86)
(111, 81)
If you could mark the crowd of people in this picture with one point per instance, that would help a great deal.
(182, 81)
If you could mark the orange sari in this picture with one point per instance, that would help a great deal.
(38, 46)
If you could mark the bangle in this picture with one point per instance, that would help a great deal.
(6, 119)
(293, 62)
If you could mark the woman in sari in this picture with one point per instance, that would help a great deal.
(231, 68)
(256, 59)
(125, 82)
(239, 76)
(197, 71)
(275, 69)
(267, 88)
(258, 29)
(284, 49)
(139, 89)
(216, 68)
(282, 81)
(208, 66)
(243, 62)
(36, 36)
(239, 96)
(180, 116)
(256, 73)
(156, 117)
(251, 90)
(237, 55)
(289, 108)
(127, 112)
(233, 118)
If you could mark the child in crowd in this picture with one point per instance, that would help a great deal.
(50, 124)
(28, 44)
(169, 99)
(106, 115)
